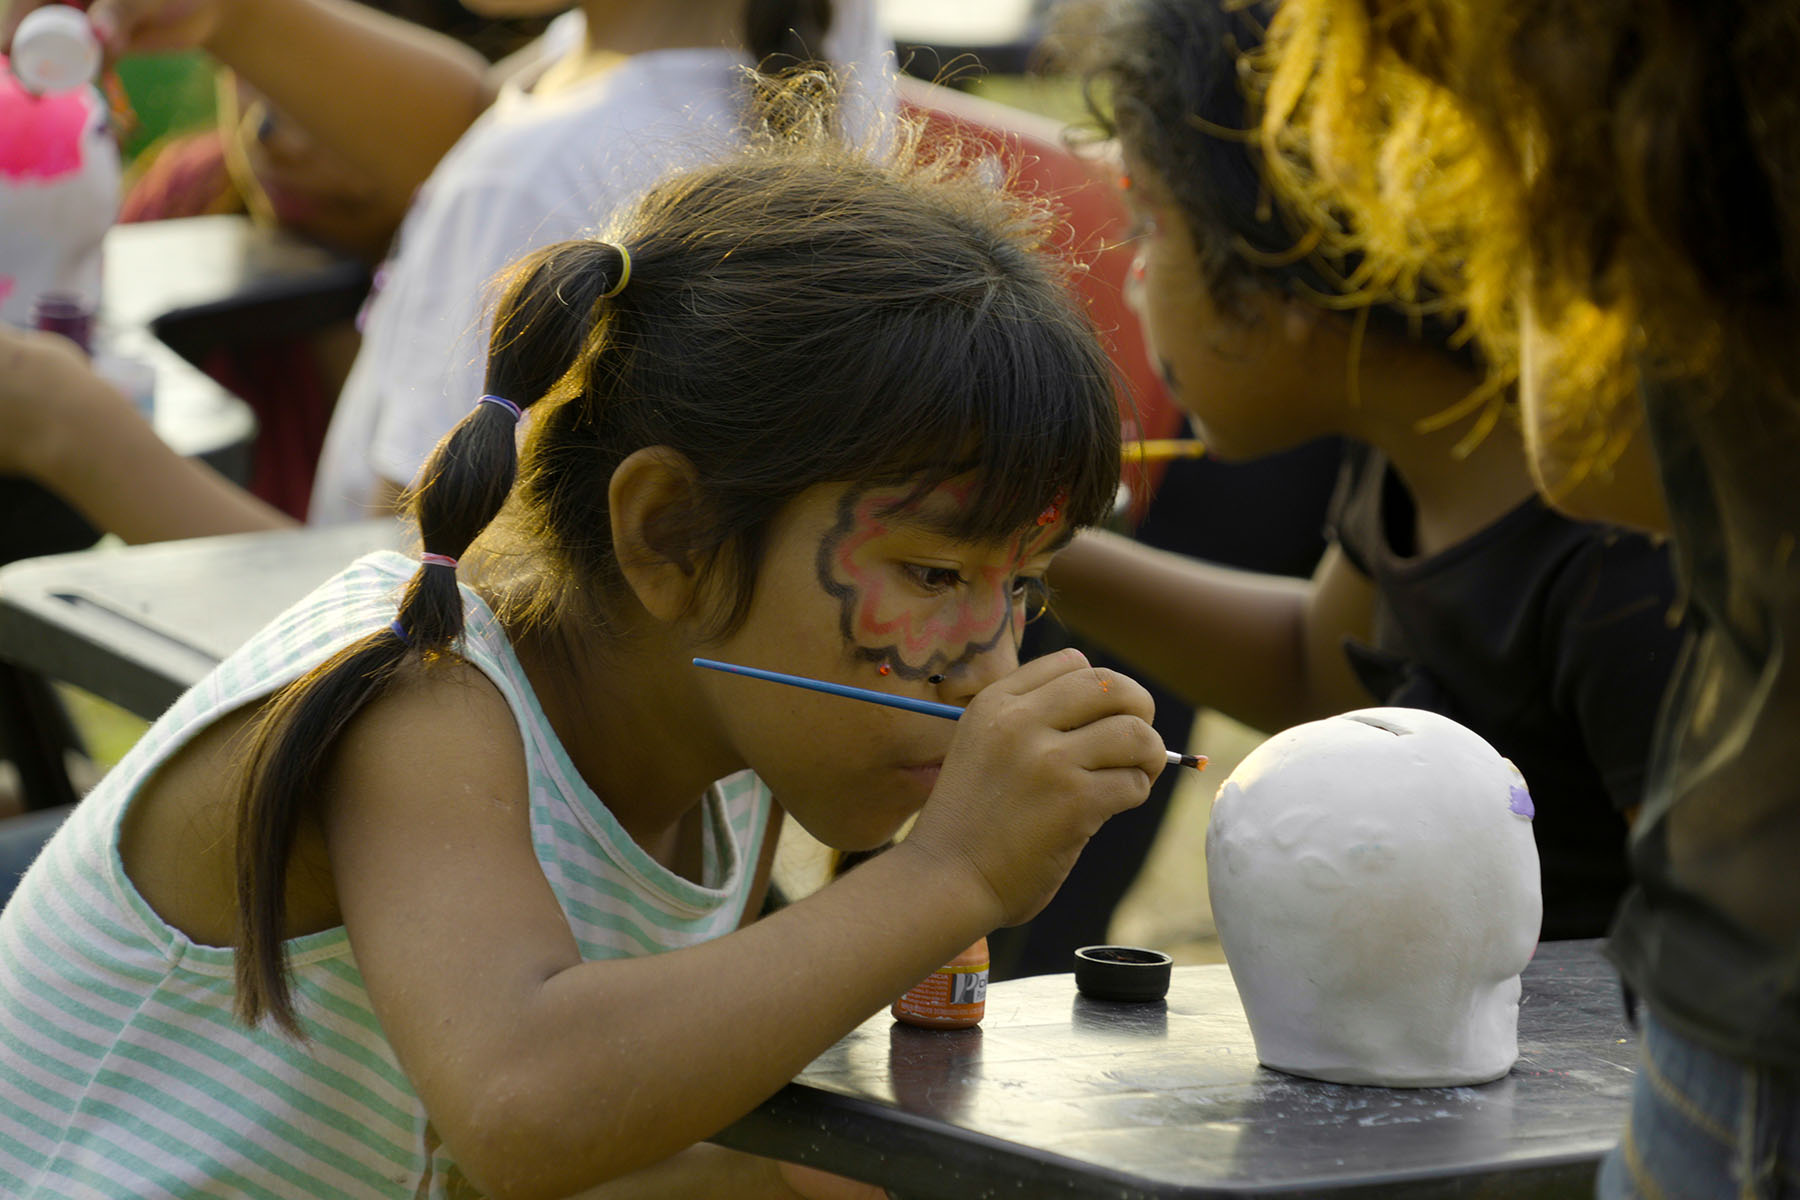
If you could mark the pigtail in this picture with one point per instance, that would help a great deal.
(540, 331)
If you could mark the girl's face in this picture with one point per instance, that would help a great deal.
(864, 586)
(1247, 378)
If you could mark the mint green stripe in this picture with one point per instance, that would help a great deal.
(74, 997)
(92, 1183)
(115, 1116)
(52, 957)
(248, 1147)
(578, 862)
(217, 1015)
(97, 1142)
(91, 910)
(33, 1018)
(290, 1092)
(55, 1100)
(613, 933)
(317, 995)
(583, 876)
(361, 1054)
(216, 1089)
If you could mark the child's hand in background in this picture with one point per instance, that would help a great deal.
(48, 389)
(134, 26)
(1040, 760)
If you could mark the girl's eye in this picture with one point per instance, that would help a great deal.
(935, 579)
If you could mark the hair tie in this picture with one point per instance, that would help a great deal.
(502, 402)
(429, 559)
(399, 630)
(624, 272)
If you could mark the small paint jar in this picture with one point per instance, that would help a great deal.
(952, 997)
(67, 314)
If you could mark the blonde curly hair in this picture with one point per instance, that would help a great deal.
(1630, 169)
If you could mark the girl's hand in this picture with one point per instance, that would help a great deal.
(1040, 760)
(45, 381)
(135, 26)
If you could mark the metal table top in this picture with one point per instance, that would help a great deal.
(1057, 1095)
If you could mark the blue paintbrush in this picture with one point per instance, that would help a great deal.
(929, 707)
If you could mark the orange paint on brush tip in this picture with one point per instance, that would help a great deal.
(952, 997)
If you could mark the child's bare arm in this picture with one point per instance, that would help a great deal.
(69, 430)
(546, 1074)
(707, 1170)
(388, 95)
(1261, 648)
(1340, 604)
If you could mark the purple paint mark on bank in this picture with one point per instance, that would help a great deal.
(1520, 803)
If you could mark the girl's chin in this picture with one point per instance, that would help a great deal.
(853, 832)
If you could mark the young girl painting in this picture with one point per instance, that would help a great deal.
(444, 883)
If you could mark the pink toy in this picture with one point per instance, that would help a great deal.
(59, 171)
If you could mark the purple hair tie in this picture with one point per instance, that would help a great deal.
(429, 559)
(503, 402)
(398, 628)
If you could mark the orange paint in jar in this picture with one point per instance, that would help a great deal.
(952, 997)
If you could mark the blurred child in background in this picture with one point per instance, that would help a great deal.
(1608, 192)
(1448, 584)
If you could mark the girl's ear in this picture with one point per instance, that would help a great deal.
(653, 499)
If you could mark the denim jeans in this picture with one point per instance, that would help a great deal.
(1704, 1127)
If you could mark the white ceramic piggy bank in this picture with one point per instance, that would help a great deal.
(1375, 886)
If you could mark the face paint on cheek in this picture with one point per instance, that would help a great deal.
(884, 624)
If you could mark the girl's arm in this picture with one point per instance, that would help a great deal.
(707, 1170)
(546, 1074)
(69, 430)
(1265, 649)
(388, 95)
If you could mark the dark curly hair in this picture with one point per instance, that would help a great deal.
(1173, 80)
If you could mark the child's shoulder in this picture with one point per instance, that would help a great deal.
(441, 711)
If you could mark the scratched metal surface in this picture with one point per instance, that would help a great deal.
(1057, 1095)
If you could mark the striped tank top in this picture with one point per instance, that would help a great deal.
(122, 1069)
